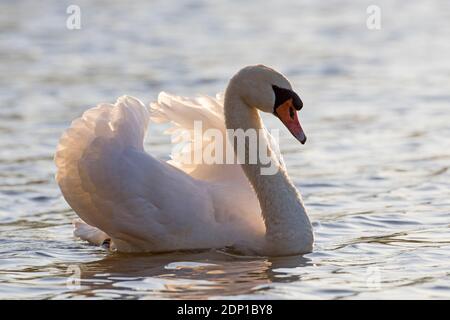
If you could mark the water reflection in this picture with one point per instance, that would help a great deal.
(187, 275)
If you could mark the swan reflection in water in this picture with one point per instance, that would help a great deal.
(174, 275)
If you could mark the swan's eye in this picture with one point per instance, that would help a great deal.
(282, 95)
(291, 113)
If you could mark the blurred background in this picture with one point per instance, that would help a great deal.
(374, 173)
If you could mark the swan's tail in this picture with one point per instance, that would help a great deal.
(100, 133)
(89, 233)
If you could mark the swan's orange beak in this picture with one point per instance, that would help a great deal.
(288, 115)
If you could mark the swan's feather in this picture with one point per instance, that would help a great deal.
(144, 204)
(182, 112)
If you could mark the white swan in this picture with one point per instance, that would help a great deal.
(141, 204)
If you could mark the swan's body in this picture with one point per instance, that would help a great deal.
(143, 204)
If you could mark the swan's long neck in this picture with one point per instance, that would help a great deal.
(288, 229)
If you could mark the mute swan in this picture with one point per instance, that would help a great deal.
(140, 204)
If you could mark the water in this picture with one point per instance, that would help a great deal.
(374, 174)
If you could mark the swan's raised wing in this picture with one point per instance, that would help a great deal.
(208, 113)
(186, 114)
(143, 204)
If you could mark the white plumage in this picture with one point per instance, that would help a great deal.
(144, 204)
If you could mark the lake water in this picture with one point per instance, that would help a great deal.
(374, 173)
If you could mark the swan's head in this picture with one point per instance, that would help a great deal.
(265, 89)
